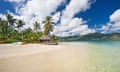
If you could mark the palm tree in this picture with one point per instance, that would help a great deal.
(10, 20)
(3, 28)
(48, 27)
(36, 26)
(20, 24)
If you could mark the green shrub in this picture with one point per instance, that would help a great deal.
(53, 38)
(10, 41)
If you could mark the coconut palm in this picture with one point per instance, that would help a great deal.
(48, 27)
(20, 24)
(1, 24)
(3, 28)
(10, 20)
(36, 26)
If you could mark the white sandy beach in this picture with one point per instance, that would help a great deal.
(37, 58)
(11, 50)
(57, 58)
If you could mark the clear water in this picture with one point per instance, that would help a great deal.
(104, 56)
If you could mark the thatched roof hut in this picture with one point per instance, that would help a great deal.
(44, 39)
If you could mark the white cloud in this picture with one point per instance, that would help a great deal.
(70, 25)
(114, 24)
(34, 10)
(76, 27)
(37, 10)
(56, 17)
(74, 7)
(63, 34)
(115, 16)
(82, 30)
(2, 16)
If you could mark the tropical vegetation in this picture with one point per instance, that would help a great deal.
(12, 30)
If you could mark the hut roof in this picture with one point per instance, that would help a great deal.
(44, 37)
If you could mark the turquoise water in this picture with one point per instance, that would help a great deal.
(104, 56)
(107, 44)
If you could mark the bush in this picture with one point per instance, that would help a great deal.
(53, 38)
(10, 41)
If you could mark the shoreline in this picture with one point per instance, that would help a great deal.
(11, 50)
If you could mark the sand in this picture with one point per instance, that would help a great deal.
(11, 50)
(41, 58)
(58, 58)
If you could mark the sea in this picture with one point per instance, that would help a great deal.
(104, 56)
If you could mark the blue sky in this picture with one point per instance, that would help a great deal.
(4, 6)
(100, 11)
(73, 17)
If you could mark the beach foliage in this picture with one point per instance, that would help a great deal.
(12, 30)
(54, 38)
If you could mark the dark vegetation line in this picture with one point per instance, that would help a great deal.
(93, 37)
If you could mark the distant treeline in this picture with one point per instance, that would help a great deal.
(92, 37)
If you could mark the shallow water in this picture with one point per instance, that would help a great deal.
(104, 56)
